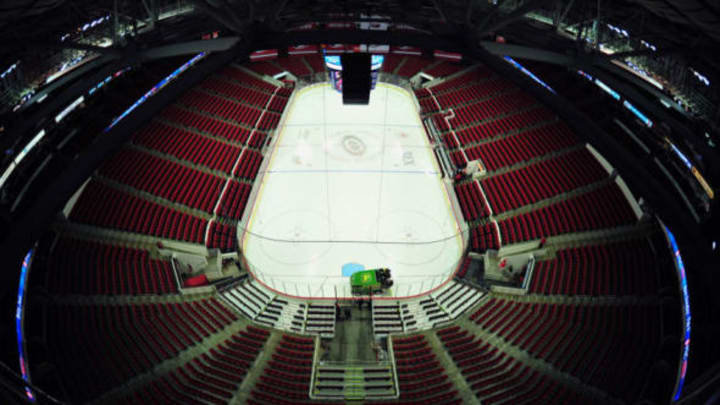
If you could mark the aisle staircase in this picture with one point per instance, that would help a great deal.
(248, 299)
(423, 313)
(354, 382)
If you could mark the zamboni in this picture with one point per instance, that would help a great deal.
(373, 281)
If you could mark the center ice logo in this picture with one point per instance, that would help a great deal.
(354, 145)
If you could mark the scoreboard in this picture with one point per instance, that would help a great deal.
(334, 66)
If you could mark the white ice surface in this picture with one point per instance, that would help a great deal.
(351, 184)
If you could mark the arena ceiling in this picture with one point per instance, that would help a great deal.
(685, 33)
(683, 22)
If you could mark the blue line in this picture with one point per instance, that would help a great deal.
(354, 171)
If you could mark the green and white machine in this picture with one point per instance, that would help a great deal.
(373, 281)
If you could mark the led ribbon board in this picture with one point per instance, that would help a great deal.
(164, 82)
(528, 73)
(638, 114)
(19, 323)
(680, 267)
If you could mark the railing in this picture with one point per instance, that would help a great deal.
(391, 354)
(314, 363)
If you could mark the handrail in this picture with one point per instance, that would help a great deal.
(391, 354)
(312, 372)
(175, 273)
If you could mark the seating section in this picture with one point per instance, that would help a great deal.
(386, 318)
(247, 79)
(523, 147)
(316, 62)
(472, 202)
(248, 298)
(234, 200)
(285, 91)
(494, 108)
(286, 377)
(441, 121)
(239, 93)
(213, 377)
(604, 345)
(444, 68)
(321, 320)
(221, 107)
(542, 180)
(221, 236)
(484, 238)
(92, 268)
(104, 206)
(264, 68)
(206, 124)
(457, 297)
(278, 104)
(508, 124)
(458, 158)
(476, 74)
(495, 377)
(118, 342)
(188, 146)
(257, 140)
(413, 65)
(249, 165)
(163, 178)
(474, 92)
(391, 63)
(421, 377)
(605, 207)
(428, 104)
(462, 271)
(623, 268)
(294, 65)
(270, 120)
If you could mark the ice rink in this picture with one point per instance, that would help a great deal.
(351, 184)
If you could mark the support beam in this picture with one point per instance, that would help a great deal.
(648, 51)
(85, 47)
(116, 23)
(151, 12)
(440, 11)
(218, 15)
(515, 15)
(420, 40)
(564, 14)
(525, 52)
(486, 21)
(589, 63)
(68, 78)
(469, 12)
(192, 47)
